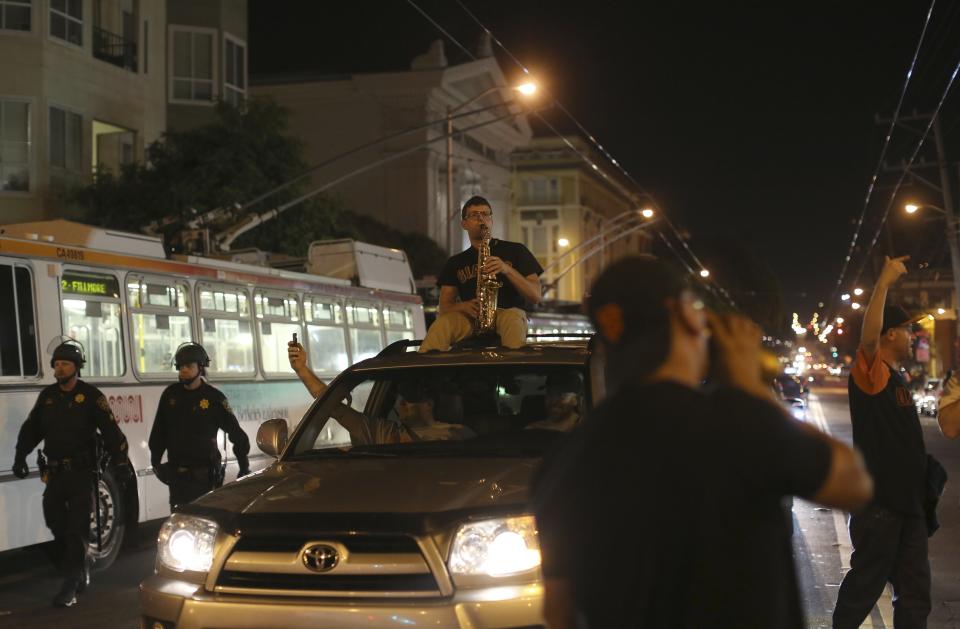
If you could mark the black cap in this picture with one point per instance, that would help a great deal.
(629, 298)
(895, 316)
(68, 351)
(191, 353)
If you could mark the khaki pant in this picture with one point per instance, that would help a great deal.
(510, 324)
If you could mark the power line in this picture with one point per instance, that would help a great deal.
(913, 157)
(883, 152)
(590, 137)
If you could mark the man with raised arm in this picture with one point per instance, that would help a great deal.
(890, 535)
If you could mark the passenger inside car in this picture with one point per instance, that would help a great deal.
(561, 403)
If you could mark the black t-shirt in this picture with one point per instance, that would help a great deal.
(666, 510)
(887, 430)
(461, 271)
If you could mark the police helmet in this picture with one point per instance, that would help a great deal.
(68, 351)
(191, 353)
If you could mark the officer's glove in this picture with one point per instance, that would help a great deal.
(164, 473)
(20, 467)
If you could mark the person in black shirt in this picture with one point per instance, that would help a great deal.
(516, 268)
(890, 536)
(664, 508)
(67, 417)
(189, 415)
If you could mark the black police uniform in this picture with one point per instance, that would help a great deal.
(67, 423)
(186, 428)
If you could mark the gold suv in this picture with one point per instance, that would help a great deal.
(401, 498)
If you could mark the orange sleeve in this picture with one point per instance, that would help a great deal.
(870, 377)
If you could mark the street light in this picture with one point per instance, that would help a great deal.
(857, 291)
(647, 213)
(952, 243)
(855, 306)
(845, 297)
(563, 242)
(839, 320)
(526, 89)
(704, 273)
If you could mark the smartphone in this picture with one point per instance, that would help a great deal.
(295, 337)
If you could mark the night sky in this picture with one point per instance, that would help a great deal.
(742, 119)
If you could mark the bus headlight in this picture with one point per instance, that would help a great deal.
(186, 543)
(496, 548)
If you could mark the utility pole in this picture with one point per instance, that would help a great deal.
(949, 210)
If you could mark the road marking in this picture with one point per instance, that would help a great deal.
(844, 546)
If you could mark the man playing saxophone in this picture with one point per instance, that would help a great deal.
(510, 263)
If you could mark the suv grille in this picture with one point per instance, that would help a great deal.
(369, 566)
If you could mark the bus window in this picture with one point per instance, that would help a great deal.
(18, 335)
(327, 342)
(278, 315)
(160, 322)
(91, 315)
(225, 329)
(398, 321)
(364, 321)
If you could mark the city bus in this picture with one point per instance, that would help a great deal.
(130, 306)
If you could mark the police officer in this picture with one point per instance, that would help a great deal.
(188, 417)
(66, 418)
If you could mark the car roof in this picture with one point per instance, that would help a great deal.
(545, 353)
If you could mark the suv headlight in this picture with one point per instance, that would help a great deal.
(495, 548)
(186, 543)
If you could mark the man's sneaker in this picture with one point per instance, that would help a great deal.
(67, 596)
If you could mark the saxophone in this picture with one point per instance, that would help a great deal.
(487, 286)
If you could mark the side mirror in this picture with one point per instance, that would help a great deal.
(272, 436)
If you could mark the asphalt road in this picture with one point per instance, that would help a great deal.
(822, 547)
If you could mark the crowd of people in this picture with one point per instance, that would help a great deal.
(665, 507)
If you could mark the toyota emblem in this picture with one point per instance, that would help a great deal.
(321, 558)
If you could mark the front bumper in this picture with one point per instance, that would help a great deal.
(190, 606)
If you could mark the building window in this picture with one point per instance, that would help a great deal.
(15, 15)
(541, 190)
(234, 70)
(66, 20)
(66, 140)
(192, 65)
(114, 33)
(14, 146)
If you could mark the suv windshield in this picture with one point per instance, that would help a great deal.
(490, 410)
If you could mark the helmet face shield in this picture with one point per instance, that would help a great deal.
(69, 350)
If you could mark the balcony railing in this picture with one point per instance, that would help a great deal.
(114, 49)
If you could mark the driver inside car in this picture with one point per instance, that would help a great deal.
(414, 410)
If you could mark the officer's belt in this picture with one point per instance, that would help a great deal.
(78, 461)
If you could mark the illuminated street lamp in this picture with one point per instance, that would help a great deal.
(839, 320)
(526, 89)
(704, 273)
(857, 291)
(647, 213)
(563, 242)
(855, 306)
(911, 208)
(845, 297)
